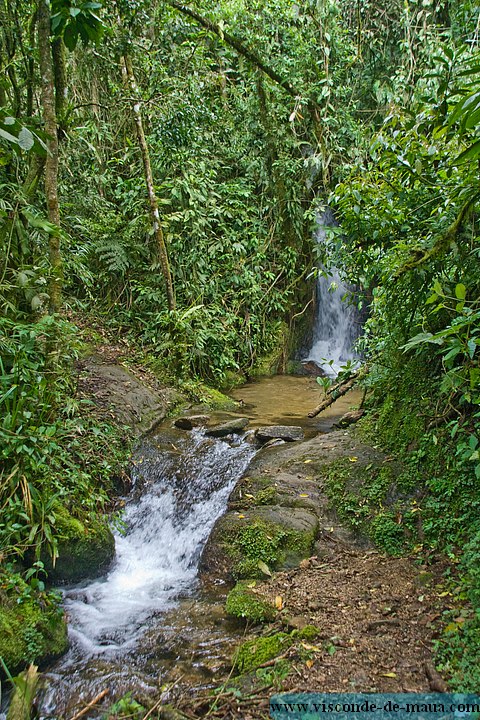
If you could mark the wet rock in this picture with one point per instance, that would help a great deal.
(85, 550)
(279, 432)
(274, 442)
(232, 426)
(191, 421)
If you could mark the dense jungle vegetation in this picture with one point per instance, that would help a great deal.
(161, 168)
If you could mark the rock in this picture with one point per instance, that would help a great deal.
(279, 432)
(274, 442)
(232, 426)
(297, 622)
(253, 653)
(85, 549)
(191, 421)
(310, 367)
(349, 418)
(277, 536)
(243, 602)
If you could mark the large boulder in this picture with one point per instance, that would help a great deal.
(86, 548)
(265, 538)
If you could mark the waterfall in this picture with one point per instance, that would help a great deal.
(337, 323)
(182, 481)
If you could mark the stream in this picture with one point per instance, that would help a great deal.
(148, 621)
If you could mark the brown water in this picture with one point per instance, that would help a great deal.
(287, 400)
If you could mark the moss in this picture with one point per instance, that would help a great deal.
(309, 632)
(216, 400)
(32, 624)
(374, 500)
(269, 543)
(267, 496)
(242, 602)
(253, 653)
(85, 549)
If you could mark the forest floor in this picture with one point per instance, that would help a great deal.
(377, 618)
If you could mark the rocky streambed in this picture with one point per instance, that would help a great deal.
(227, 528)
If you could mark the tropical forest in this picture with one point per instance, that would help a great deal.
(239, 356)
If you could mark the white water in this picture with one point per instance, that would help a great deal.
(180, 494)
(337, 323)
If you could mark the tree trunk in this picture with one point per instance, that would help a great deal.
(147, 167)
(51, 163)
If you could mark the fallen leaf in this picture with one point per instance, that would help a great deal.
(353, 459)
(390, 675)
(309, 664)
(278, 602)
(264, 568)
(305, 462)
(241, 516)
(303, 495)
(314, 648)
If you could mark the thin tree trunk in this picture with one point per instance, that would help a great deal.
(51, 163)
(147, 167)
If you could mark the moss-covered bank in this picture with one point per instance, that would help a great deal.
(32, 623)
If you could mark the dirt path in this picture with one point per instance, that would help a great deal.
(376, 614)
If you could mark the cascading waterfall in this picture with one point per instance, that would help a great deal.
(180, 489)
(337, 323)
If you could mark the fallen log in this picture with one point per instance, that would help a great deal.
(340, 389)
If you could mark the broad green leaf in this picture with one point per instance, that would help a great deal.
(26, 139)
(460, 291)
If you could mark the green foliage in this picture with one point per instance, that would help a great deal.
(126, 707)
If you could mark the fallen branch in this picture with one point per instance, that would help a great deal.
(340, 389)
(93, 702)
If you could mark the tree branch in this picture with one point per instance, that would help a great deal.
(239, 46)
(442, 244)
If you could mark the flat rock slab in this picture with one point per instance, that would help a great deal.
(279, 432)
(232, 426)
(188, 422)
(122, 396)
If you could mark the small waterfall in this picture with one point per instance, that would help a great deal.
(337, 323)
(182, 483)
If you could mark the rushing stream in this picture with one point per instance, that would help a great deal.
(148, 621)
(181, 485)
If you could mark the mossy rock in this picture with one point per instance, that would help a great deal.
(242, 602)
(215, 400)
(85, 548)
(253, 653)
(241, 543)
(32, 624)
